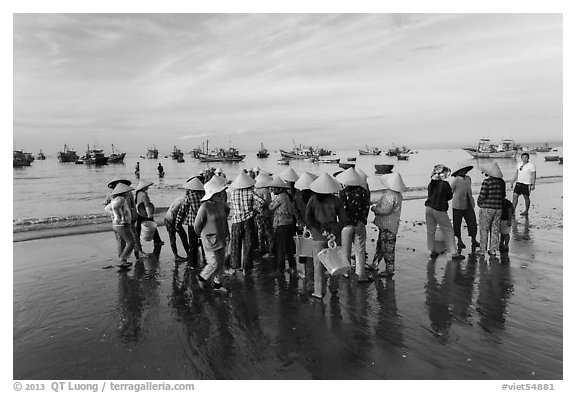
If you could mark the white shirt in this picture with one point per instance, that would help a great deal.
(525, 172)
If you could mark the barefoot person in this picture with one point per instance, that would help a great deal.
(187, 216)
(525, 179)
(282, 206)
(463, 206)
(121, 219)
(492, 193)
(145, 210)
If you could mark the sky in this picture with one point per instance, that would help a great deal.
(335, 80)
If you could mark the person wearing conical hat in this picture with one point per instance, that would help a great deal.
(290, 177)
(211, 224)
(439, 193)
(387, 218)
(463, 206)
(326, 216)
(490, 199)
(121, 221)
(145, 212)
(263, 218)
(356, 201)
(186, 215)
(244, 204)
(284, 212)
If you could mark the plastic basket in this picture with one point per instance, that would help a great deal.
(148, 229)
(333, 259)
(304, 244)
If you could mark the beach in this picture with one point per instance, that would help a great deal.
(480, 318)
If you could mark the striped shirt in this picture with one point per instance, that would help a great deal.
(187, 213)
(244, 204)
(492, 192)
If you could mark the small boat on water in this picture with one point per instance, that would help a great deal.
(351, 158)
(152, 153)
(283, 161)
(180, 159)
(41, 155)
(346, 165)
(397, 150)
(222, 155)
(551, 158)
(94, 157)
(194, 153)
(263, 152)
(116, 157)
(402, 157)
(177, 153)
(20, 159)
(382, 169)
(329, 160)
(67, 155)
(543, 148)
(486, 149)
(370, 151)
(300, 152)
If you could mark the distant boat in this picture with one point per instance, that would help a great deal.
(346, 165)
(351, 158)
(543, 148)
(397, 150)
(177, 154)
(222, 155)
(41, 155)
(382, 169)
(20, 159)
(67, 155)
(551, 158)
(95, 157)
(283, 161)
(116, 157)
(329, 160)
(152, 153)
(194, 153)
(403, 157)
(300, 152)
(263, 152)
(370, 151)
(180, 159)
(486, 149)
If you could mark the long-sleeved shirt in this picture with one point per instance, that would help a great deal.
(283, 209)
(175, 207)
(211, 224)
(439, 193)
(265, 194)
(387, 211)
(244, 204)
(462, 193)
(492, 191)
(356, 202)
(326, 214)
(187, 213)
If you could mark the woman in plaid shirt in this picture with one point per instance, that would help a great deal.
(492, 193)
(187, 215)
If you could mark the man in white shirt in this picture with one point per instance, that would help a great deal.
(525, 179)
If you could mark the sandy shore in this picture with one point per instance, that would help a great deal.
(477, 319)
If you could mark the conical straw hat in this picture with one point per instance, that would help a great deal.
(464, 169)
(262, 181)
(289, 175)
(243, 180)
(303, 183)
(214, 186)
(325, 184)
(121, 188)
(265, 172)
(492, 169)
(143, 184)
(278, 182)
(117, 180)
(362, 174)
(394, 182)
(349, 177)
(194, 184)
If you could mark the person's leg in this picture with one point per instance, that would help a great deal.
(219, 256)
(457, 215)
(379, 253)
(126, 234)
(247, 253)
(183, 238)
(527, 202)
(514, 199)
(347, 237)
(390, 252)
(236, 232)
(483, 228)
(360, 250)
(447, 232)
(193, 246)
(472, 225)
(430, 229)
(318, 271)
(279, 260)
(209, 268)
(171, 235)
(495, 230)
(120, 243)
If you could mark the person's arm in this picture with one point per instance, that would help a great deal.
(483, 193)
(514, 178)
(510, 215)
(200, 220)
(533, 185)
(447, 190)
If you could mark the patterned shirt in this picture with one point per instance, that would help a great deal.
(175, 207)
(264, 193)
(187, 212)
(492, 192)
(244, 204)
(283, 209)
(356, 202)
(387, 211)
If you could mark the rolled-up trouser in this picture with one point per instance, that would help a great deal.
(319, 269)
(386, 248)
(241, 238)
(354, 237)
(490, 226)
(172, 230)
(124, 240)
(436, 218)
(470, 217)
(193, 244)
(214, 264)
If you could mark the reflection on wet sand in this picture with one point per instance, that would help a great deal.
(495, 288)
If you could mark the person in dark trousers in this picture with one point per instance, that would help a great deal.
(282, 206)
(524, 182)
(145, 211)
(463, 206)
(160, 170)
(187, 215)
(506, 225)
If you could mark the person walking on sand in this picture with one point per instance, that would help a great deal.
(439, 193)
(121, 219)
(387, 218)
(356, 201)
(524, 182)
(187, 216)
(284, 211)
(492, 193)
(137, 169)
(211, 224)
(244, 203)
(145, 210)
(463, 206)
(326, 216)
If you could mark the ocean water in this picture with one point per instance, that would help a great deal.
(49, 191)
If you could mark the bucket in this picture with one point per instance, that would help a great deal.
(333, 259)
(148, 229)
(439, 243)
(304, 244)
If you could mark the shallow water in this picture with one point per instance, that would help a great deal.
(477, 319)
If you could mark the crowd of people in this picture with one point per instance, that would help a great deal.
(224, 225)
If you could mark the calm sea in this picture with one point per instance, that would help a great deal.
(53, 191)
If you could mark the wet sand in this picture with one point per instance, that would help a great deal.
(498, 318)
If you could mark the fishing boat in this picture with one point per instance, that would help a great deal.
(329, 160)
(551, 158)
(152, 153)
(283, 161)
(402, 157)
(20, 159)
(302, 152)
(194, 153)
(394, 151)
(370, 151)
(116, 157)
(222, 155)
(95, 157)
(176, 153)
(351, 158)
(382, 169)
(487, 149)
(263, 152)
(41, 155)
(543, 148)
(67, 155)
(346, 165)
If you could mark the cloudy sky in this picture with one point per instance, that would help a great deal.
(337, 80)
